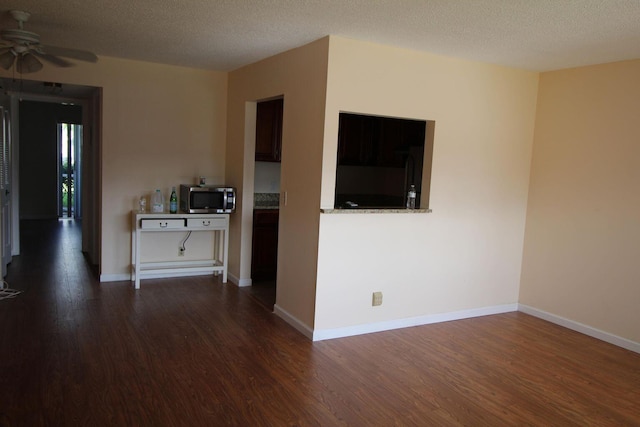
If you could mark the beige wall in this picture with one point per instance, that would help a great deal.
(467, 253)
(300, 76)
(583, 222)
(162, 125)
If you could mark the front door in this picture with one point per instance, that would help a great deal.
(69, 170)
(5, 188)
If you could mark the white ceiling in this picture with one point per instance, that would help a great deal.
(223, 35)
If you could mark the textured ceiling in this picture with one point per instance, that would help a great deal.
(226, 34)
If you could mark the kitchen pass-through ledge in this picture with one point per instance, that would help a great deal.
(368, 210)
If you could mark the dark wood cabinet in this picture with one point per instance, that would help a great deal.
(269, 130)
(356, 140)
(264, 258)
(389, 153)
(377, 141)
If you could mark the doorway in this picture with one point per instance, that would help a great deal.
(266, 186)
(47, 156)
(37, 196)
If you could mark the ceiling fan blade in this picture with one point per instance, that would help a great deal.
(7, 58)
(53, 59)
(81, 55)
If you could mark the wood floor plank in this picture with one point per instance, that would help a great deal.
(195, 352)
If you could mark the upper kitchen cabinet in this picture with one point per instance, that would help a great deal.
(390, 142)
(365, 140)
(355, 139)
(269, 130)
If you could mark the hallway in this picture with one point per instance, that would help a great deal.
(51, 260)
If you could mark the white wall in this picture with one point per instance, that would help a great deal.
(465, 255)
(267, 177)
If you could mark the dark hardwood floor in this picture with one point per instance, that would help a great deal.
(264, 292)
(196, 352)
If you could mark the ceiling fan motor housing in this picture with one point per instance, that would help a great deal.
(20, 36)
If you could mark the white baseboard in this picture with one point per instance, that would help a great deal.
(237, 281)
(582, 328)
(319, 335)
(114, 277)
(293, 321)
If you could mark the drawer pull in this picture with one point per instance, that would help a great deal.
(206, 223)
(164, 224)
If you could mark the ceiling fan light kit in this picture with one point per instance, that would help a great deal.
(6, 59)
(23, 48)
(28, 64)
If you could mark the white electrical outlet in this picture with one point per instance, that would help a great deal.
(377, 299)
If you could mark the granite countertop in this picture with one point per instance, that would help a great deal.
(272, 201)
(377, 211)
(266, 201)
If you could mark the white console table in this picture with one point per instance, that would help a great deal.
(216, 262)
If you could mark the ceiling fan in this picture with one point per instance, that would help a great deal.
(23, 48)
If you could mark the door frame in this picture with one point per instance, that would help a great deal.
(91, 205)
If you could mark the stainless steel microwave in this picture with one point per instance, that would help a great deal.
(207, 199)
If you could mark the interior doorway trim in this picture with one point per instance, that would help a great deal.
(87, 121)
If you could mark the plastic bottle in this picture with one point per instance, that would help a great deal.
(173, 201)
(142, 204)
(157, 202)
(411, 197)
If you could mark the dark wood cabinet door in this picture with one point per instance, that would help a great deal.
(377, 141)
(397, 137)
(390, 148)
(264, 258)
(269, 130)
(356, 140)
